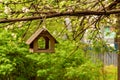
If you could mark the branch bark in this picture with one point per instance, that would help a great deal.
(76, 13)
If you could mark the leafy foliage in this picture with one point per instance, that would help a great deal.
(17, 63)
(71, 60)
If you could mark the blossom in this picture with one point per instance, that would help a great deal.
(20, 24)
(25, 9)
(13, 35)
(54, 33)
(1, 0)
(7, 10)
(10, 27)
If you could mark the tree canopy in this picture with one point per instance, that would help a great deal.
(68, 21)
(21, 13)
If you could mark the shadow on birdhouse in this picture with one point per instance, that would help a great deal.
(42, 41)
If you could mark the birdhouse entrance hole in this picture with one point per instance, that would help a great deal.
(43, 43)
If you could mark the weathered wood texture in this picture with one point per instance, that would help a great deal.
(107, 58)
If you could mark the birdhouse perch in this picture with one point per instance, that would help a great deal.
(49, 41)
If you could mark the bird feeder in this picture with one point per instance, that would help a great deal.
(49, 41)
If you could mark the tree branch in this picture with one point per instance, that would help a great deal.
(76, 13)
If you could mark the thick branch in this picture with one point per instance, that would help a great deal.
(76, 13)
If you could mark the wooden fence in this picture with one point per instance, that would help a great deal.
(107, 58)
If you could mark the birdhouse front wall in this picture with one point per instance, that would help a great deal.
(49, 44)
(35, 45)
(52, 44)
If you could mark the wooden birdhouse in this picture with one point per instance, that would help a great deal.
(47, 44)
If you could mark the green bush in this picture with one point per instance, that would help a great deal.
(68, 63)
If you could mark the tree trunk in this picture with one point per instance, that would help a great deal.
(118, 42)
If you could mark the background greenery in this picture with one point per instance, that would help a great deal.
(72, 60)
(67, 63)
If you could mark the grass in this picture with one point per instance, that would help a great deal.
(110, 72)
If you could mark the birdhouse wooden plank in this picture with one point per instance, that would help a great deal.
(49, 40)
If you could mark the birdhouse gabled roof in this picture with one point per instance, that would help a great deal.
(36, 34)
